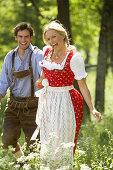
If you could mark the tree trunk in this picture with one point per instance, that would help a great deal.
(110, 33)
(64, 15)
(102, 57)
(87, 57)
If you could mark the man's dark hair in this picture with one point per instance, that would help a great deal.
(23, 26)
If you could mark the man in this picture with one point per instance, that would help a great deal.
(19, 73)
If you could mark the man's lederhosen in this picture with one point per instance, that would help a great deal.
(20, 112)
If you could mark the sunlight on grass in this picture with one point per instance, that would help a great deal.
(95, 143)
(109, 93)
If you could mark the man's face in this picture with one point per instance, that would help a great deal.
(23, 39)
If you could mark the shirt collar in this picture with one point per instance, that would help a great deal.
(31, 47)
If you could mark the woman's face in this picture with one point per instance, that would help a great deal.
(54, 39)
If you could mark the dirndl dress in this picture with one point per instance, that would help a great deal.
(60, 106)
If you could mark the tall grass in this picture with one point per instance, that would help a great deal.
(88, 156)
(95, 142)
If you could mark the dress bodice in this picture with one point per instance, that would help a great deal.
(59, 78)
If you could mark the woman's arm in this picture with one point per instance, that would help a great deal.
(38, 83)
(87, 97)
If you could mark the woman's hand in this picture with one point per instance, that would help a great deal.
(96, 114)
(38, 83)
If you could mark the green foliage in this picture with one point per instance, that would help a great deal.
(14, 11)
(1, 112)
(84, 15)
(95, 142)
(85, 21)
(90, 156)
(95, 156)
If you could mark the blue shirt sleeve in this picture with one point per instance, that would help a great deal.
(6, 74)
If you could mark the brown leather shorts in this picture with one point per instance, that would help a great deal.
(20, 113)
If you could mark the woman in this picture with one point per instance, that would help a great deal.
(60, 104)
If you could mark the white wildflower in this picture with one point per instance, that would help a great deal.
(44, 168)
(11, 149)
(23, 147)
(17, 166)
(21, 159)
(30, 156)
(81, 152)
(84, 167)
(11, 163)
(26, 166)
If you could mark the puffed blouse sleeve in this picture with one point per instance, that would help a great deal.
(78, 67)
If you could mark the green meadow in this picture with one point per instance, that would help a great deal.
(95, 142)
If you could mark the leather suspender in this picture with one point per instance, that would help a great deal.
(22, 74)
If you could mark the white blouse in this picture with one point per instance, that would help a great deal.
(76, 64)
(78, 67)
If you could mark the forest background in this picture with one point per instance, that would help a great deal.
(90, 27)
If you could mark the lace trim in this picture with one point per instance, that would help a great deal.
(52, 65)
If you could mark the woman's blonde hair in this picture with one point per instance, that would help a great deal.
(54, 25)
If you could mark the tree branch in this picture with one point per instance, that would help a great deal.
(38, 11)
